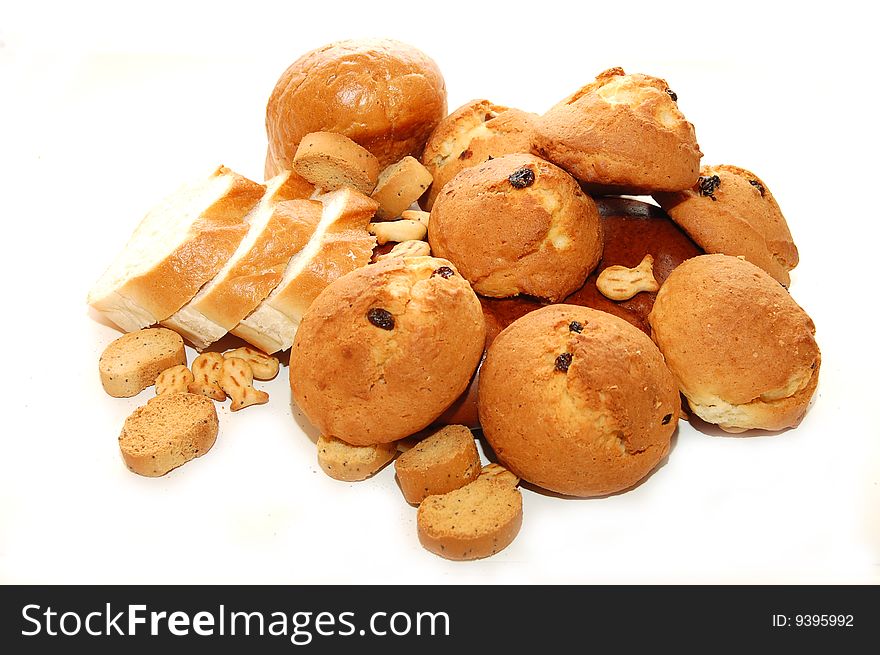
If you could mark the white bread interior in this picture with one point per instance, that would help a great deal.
(340, 244)
(205, 319)
(178, 246)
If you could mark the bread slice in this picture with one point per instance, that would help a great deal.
(177, 247)
(443, 462)
(342, 461)
(476, 521)
(168, 431)
(399, 186)
(277, 230)
(339, 245)
(132, 362)
(332, 161)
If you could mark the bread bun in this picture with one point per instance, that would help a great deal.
(577, 401)
(385, 349)
(731, 211)
(384, 95)
(621, 133)
(741, 348)
(474, 133)
(517, 225)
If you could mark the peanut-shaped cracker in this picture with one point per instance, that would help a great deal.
(402, 230)
(237, 380)
(417, 215)
(206, 370)
(174, 380)
(498, 473)
(263, 366)
(622, 283)
(409, 248)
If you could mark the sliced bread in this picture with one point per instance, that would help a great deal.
(277, 230)
(131, 363)
(177, 247)
(446, 460)
(339, 245)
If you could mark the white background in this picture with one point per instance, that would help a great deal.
(105, 109)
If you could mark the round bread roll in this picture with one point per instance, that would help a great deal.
(742, 350)
(731, 211)
(621, 133)
(517, 225)
(577, 401)
(385, 349)
(474, 133)
(382, 94)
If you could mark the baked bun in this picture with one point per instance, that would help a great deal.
(621, 133)
(385, 349)
(472, 134)
(731, 211)
(742, 350)
(385, 95)
(577, 401)
(517, 225)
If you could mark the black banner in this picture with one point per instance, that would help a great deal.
(416, 619)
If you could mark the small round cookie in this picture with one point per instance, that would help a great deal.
(384, 95)
(385, 349)
(621, 133)
(577, 401)
(741, 348)
(475, 132)
(517, 225)
(731, 211)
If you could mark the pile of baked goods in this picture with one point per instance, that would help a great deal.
(436, 274)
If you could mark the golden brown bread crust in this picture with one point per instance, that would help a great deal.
(444, 461)
(735, 215)
(363, 379)
(622, 131)
(590, 422)
(474, 521)
(517, 224)
(741, 348)
(473, 133)
(167, 432)
(383, 94)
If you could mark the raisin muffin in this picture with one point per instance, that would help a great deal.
(517, 225)
(385, 349)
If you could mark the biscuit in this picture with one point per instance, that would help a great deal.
(621, 131)
(132, 362)
(342, 461)
(332, 161)
(444, 461)
(207, 369)
(577, 401)
(167, 432)
(399, 186)
(732, 212)
(263, 366)
(474, 133)
(744, 353)
(385, 349)
(174, 380)
(237, 381)
(517, 225)
(474, 521)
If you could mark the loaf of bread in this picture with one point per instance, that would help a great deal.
(276, 231)
(179, 245)
(339, 244)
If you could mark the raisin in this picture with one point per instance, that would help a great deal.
(666, 419)
(575, 326)
(522, 177)
(758, 185)
(467, 154)
(708, 185)
(444, 271)
(672, 94)
(381, 318)
(563, 362)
